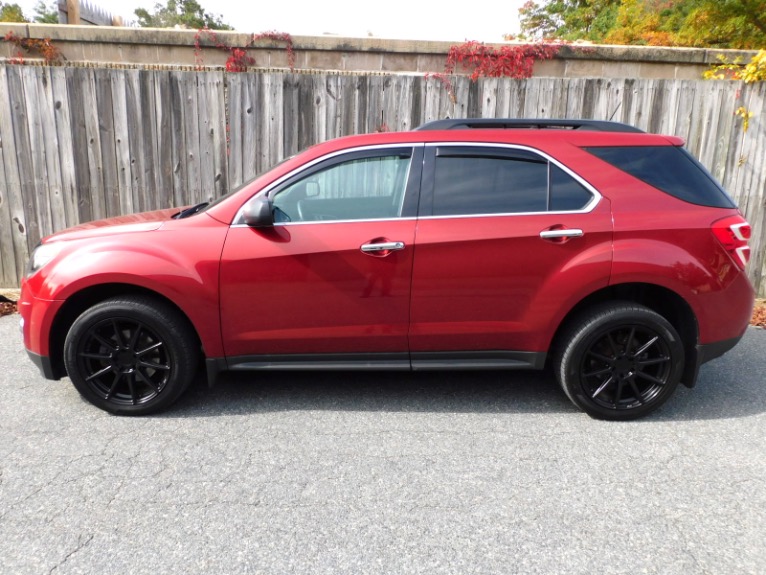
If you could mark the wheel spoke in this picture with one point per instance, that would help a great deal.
(98, 356)
(154, 365)
(117, 378)
(650, 378)
(147, 381)
(134, 338)
(613, 345)
(618, 391)
(132, 389)
(99, 373)
(105, 342)
(150, 348)
(604, 358)
(117, 333)
(602, 387)
(654, 361)
(636, 391)
(646, 346)
(630, 339)
(598, 372)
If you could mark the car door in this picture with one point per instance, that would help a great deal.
(507, 242)
(332, 276)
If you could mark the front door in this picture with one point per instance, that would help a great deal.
(332, 276)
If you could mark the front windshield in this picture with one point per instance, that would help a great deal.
(247, 183)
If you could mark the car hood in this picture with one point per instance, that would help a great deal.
(143, 222)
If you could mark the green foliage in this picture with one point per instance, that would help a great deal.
(182, 13)
(702, 23)
(567, 19)
(11, 13)
(46, 13)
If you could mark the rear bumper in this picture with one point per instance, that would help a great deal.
(703, 353)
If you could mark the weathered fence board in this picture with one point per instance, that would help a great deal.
(79, 144)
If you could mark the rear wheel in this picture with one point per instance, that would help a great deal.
(131, 355)
(619, 361)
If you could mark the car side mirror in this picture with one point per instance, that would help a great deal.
(258, 213)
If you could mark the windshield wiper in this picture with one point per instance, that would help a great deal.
(190, 211)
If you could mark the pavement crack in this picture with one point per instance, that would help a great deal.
(81, 544)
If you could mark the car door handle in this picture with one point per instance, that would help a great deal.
(382, 247)
(557, 234)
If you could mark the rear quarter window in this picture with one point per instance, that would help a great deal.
(670, 169)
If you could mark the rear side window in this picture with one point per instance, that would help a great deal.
(487, 181)
(670, 169)
(466, 186)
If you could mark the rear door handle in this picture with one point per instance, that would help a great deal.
(382, 247)
(558, 234)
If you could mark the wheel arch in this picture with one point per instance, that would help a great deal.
(87, 297)
(660, 299)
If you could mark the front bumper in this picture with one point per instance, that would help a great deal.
(44, 364)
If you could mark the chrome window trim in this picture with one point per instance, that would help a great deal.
(589, 207)
(280, 224)
(238, 218)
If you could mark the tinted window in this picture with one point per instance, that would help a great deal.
(670, 169)
(489, 185)
(567, 194)
(366, 188)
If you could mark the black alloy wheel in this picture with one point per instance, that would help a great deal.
(620, 361)
(131, 355)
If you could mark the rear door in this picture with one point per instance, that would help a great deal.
(508, 240)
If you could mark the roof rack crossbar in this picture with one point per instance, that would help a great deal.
(529, 124)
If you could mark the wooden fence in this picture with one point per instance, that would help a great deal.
(77, 144)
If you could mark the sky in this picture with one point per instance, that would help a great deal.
(486, 20)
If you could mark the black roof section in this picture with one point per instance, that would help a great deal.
(528, 124)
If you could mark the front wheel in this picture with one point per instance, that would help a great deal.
(131, 355)
(619, 361)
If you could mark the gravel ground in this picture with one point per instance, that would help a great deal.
(383, 473)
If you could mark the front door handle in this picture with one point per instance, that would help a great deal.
(560, 234)
(382, 247)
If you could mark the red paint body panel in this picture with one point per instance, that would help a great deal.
(309, 289)
(491, 283)
(178, 260)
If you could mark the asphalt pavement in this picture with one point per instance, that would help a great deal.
(353, 473)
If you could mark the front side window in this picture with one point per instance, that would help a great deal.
(471, 181)
(365, 188)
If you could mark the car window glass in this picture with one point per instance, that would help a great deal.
(670, 169)
(567, 194)
(358, 189)
(489, 185)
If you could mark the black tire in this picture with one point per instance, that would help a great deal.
(131, 355)
(619, 361)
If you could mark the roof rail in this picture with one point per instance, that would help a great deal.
(528, 124)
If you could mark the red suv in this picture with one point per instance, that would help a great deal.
(608, 254)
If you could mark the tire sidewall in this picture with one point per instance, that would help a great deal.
(159, 318)
(589, 332)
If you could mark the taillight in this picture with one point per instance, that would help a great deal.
(733, 233)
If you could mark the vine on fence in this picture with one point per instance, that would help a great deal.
(239, 60)
(507, 61)
(444, 80)
(34, 46)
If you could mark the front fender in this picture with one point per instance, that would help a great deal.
(180, 264)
